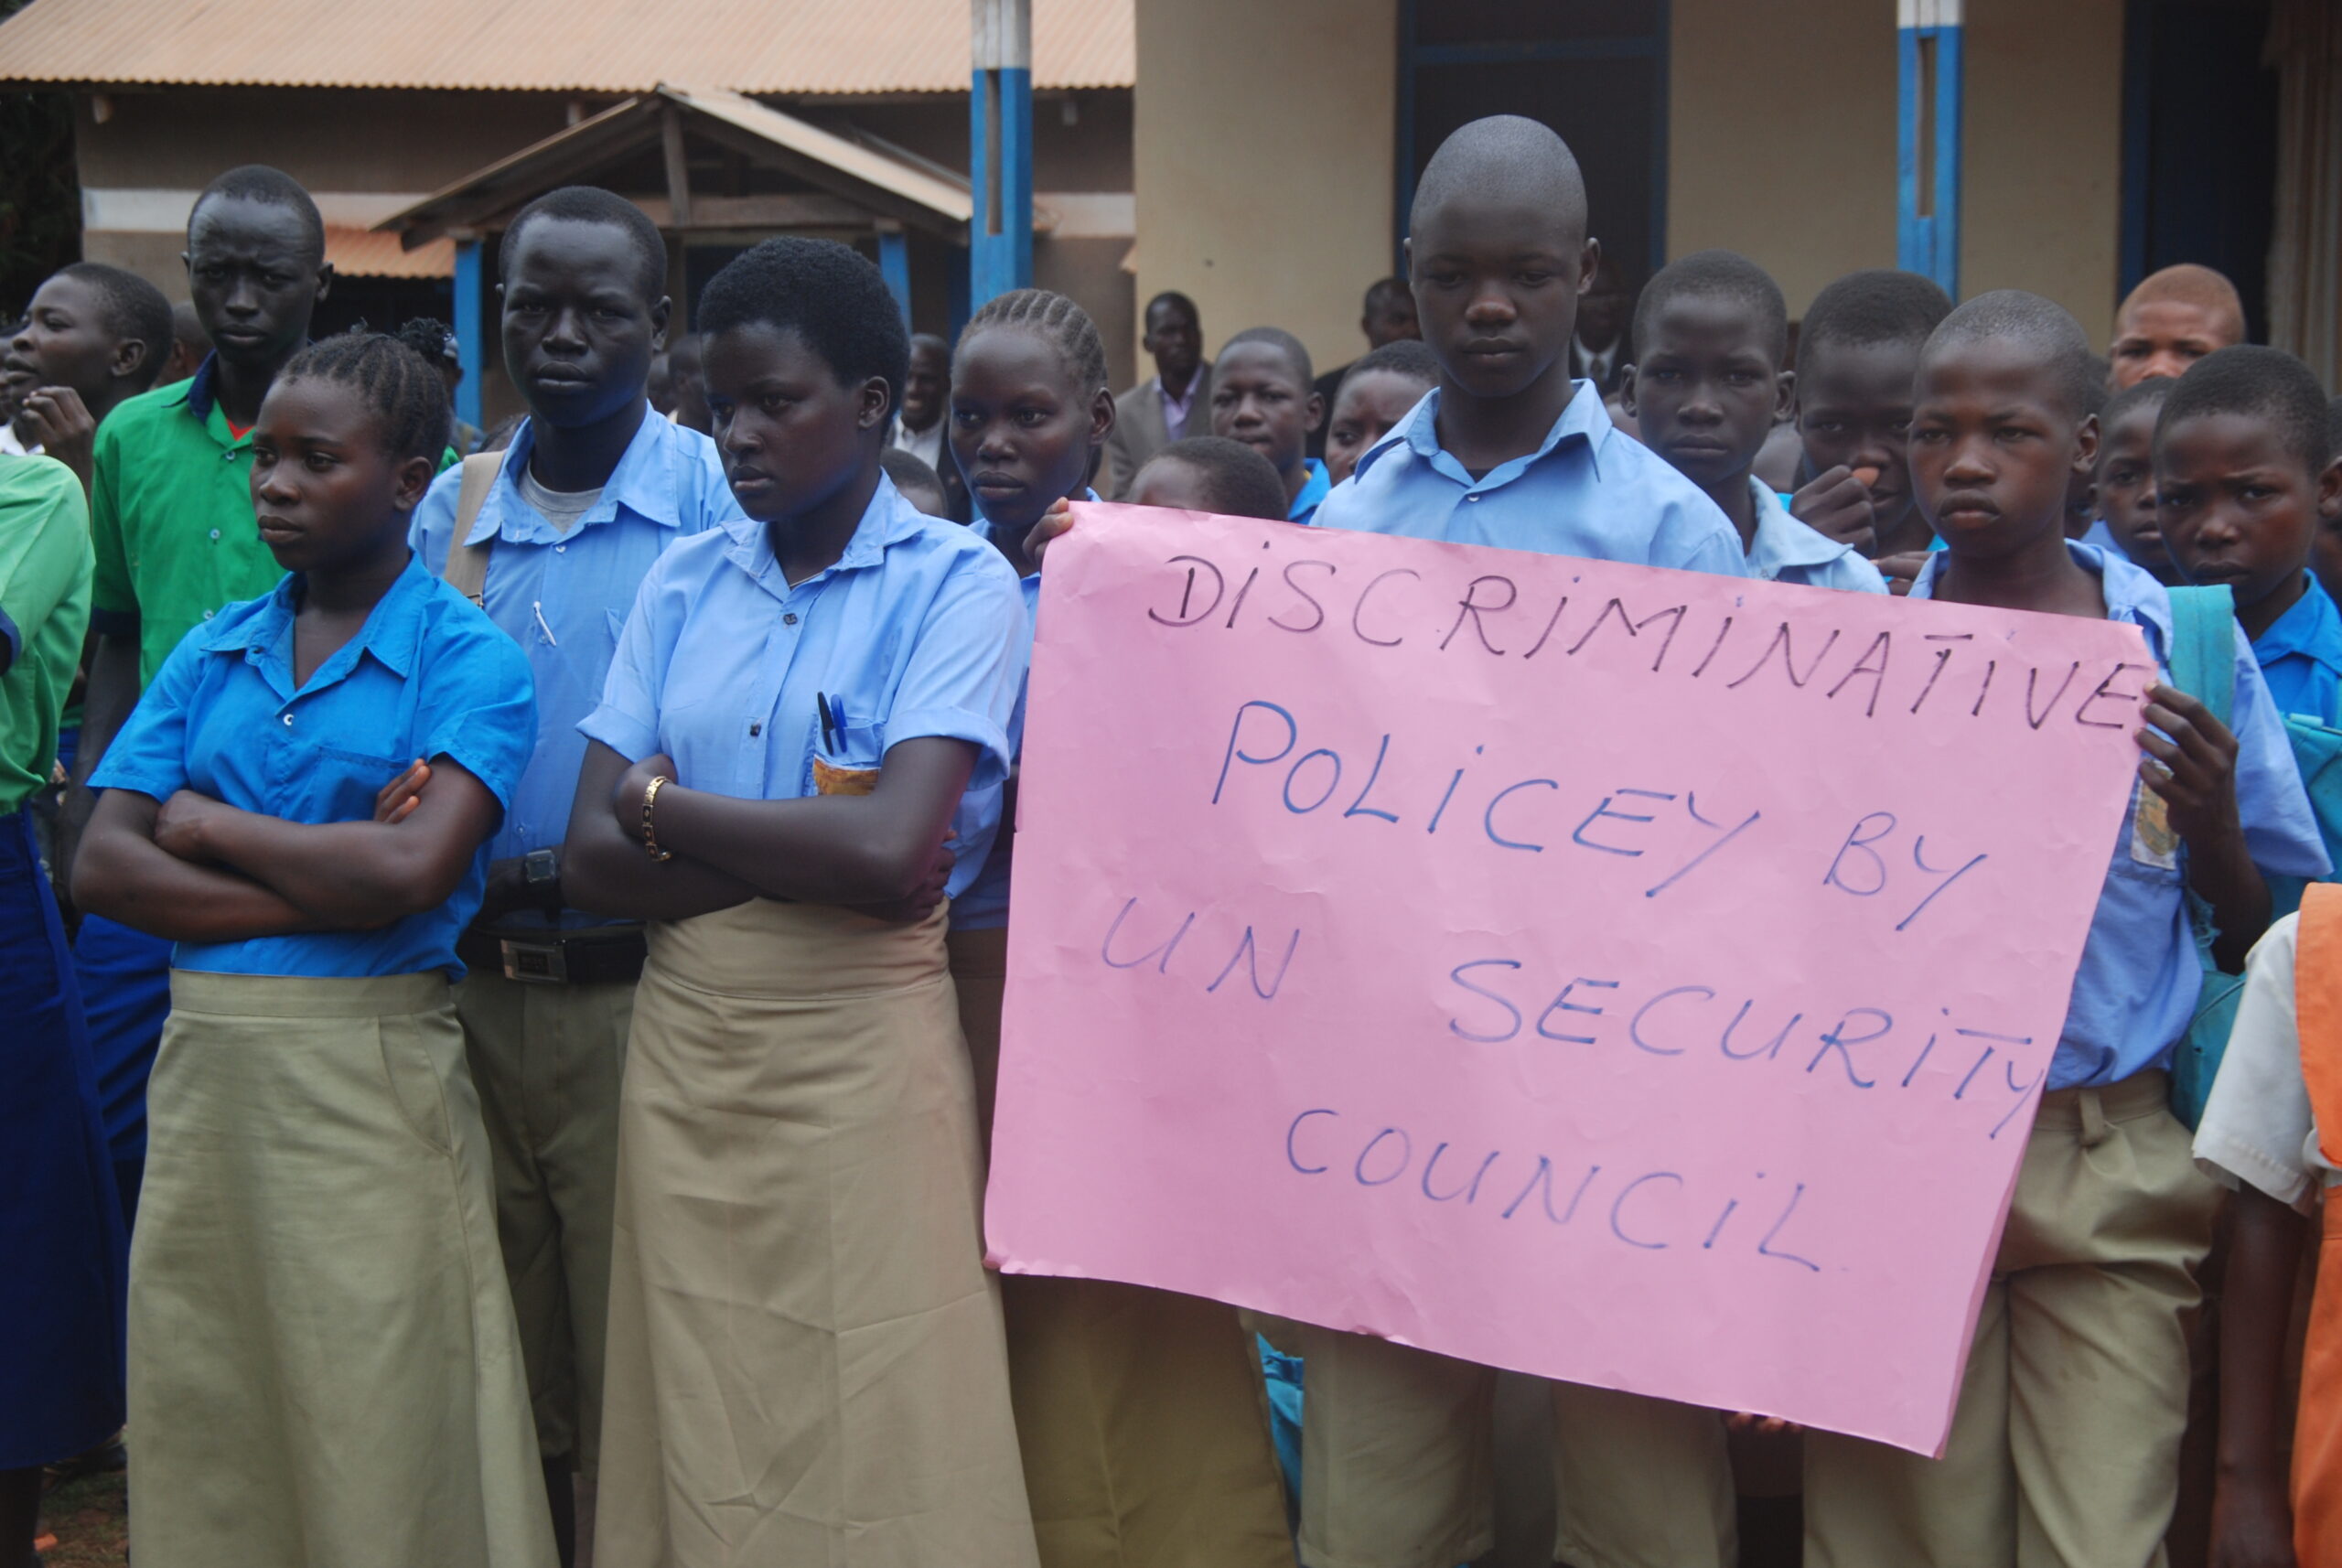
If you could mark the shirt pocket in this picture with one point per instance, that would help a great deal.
(2150, 851)
(852, 768)
(343, 784)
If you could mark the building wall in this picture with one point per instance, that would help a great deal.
(1261, 149)
(2041, 173)
(1782, 137)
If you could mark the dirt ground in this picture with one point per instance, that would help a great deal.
(91, 1519)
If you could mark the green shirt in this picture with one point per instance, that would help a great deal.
(44, 610)
(171, 514)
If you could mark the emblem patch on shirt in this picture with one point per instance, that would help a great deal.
(2153, 842)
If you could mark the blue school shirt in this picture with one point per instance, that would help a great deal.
(2139, 975)
(1586, 490)
(564, 598)
(1789, 550)
(2301, 657)
(918, 628)
(984, 906)
(1314, 489)
(2103, 537)
(427, 676)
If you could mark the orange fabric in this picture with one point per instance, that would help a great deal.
(2317, 1430)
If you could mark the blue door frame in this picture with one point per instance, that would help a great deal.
(1926, 140)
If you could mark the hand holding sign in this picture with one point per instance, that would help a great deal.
(1626, 976)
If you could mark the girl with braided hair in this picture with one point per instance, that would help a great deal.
(1144, 1439)
(323, 1361)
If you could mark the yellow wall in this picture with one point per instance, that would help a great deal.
(1780, 136)
(1262, 162)
(2041, 176)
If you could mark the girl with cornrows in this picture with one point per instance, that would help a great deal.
(1143, 1428)
(797, 758)
(323, 1361)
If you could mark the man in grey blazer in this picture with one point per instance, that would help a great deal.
(1170, 405)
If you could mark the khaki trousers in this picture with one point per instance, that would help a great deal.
(1139, 1412)
(2064, 1446)
(805, 1359)
(1397, 1467)
(323, 1368)
(548, 1060)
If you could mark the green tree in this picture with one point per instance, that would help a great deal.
(41, 191)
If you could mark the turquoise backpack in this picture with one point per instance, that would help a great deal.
(2202, 665)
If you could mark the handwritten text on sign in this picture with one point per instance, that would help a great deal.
(1632, 977)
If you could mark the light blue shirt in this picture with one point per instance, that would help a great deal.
(917, 629)
(984, 906)
(564, 598)
(427, 676)
(1789, 550)
(2139, 979)
(2301, 657)
(1586, 490)
(1314, 489)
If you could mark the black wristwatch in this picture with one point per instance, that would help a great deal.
(541, 873)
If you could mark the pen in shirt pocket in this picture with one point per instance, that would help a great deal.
(828, 737)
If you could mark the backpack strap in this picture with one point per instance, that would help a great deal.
(467, 567)
(2203, 647)
(2317, 1004)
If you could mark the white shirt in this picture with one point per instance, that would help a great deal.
(926, 445)
(2257, 1126)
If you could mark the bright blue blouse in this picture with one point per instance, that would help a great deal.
(2301, 657)
(917, 629)
(428, 675)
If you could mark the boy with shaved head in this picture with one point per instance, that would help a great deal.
(2065, 1442)
(1508, 450)
(2171, 320)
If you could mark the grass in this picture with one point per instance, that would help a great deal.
(91, 1519)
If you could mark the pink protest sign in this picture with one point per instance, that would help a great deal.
(1630, 977)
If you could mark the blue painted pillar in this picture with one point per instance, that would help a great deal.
(1927, 162)
(895, 266)
(471, 328)
(1000, 150)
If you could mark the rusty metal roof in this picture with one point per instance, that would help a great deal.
(363, 254)
(572, 46)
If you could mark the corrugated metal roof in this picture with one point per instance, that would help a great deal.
(363, 254)
(576, 45)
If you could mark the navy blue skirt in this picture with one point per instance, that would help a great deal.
(64, 1257)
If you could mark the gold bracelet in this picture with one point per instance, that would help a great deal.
(649, 836)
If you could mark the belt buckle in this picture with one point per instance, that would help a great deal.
(535, 963)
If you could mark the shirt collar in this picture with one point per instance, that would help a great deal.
(2133, 596)
(393, 632)
(1314, 489)
(644, 482)
(888, 521)
(199, 397)
(1582, 419)
(1784, 541)
(2310, 627)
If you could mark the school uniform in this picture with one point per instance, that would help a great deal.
(1139, 1413)
(546, 999)
(2301, 657)
(1786, 550)
(1587, 490)
(323, 1364)
(805, 1361)
(2065, 1442)
(2277, 1099)
(60, 1225)
(1397, 1445)
(171, 518)
(1314, 489)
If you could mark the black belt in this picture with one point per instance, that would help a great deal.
(556, 958)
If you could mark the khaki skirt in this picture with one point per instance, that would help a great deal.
(323, 1363)
(805, 1361)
